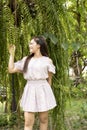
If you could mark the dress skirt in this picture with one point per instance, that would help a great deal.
(37, 96)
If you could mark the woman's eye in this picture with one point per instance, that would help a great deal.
(31, 43)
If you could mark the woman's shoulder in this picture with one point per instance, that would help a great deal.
(25, 57)
(48, 59)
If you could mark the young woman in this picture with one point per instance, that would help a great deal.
(37, 69)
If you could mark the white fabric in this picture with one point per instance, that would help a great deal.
(37, 95)
(20, 64)
(37, 69)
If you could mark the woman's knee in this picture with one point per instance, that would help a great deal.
(29, 122)
(29, 119)
(43, 117)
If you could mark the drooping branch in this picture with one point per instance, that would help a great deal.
(13, 5)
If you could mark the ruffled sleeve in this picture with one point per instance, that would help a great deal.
(51, 67)
(20, 64)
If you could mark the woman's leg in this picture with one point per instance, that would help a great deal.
(43, 116)
(29, 120)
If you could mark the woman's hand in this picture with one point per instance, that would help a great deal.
(12, 49)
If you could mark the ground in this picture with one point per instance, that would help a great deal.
(75, 115)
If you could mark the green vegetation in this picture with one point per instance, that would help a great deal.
(76, 114)
(64, 25)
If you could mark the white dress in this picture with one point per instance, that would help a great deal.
(38, 95)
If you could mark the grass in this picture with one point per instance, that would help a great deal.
(76, 114)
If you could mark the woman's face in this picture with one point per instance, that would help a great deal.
(33, 46)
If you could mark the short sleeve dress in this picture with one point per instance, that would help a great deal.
(38, 95)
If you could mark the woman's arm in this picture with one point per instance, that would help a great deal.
(11, 67)
(50, 78)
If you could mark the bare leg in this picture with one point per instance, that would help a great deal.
(29, 120)
(43, 120)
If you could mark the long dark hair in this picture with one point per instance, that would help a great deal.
(43, 49)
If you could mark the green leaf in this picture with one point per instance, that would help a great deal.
(76, 46)
(65, 46)
(52, 37)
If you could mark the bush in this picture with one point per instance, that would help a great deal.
(8, 120)
(78, 92)
(3, 120)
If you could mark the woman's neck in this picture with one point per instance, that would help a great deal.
(37, 55)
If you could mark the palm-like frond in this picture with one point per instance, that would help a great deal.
(50, 20)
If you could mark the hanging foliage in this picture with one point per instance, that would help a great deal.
(64, 27)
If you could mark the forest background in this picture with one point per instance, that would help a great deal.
(64, 25)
